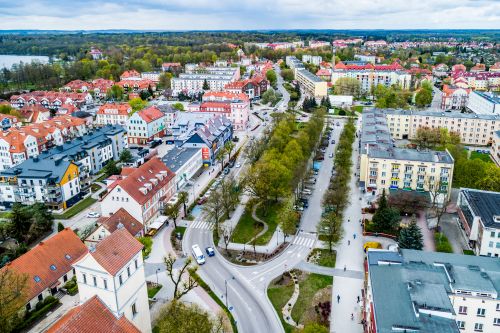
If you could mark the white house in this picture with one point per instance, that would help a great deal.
(113, 114)
(114, 271)
(184, 162)
(145, 125)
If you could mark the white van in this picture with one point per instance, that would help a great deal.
(307, 191)
(198, 255)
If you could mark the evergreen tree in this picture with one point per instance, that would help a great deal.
(19, 221)
(205, 85)
(385, 219)
(411, 237)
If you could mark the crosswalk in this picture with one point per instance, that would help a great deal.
(200, 224)
(303, 241)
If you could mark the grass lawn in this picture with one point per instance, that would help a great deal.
(182, 230)
(327, 258)
(244, 230)
(279, 295)
(95, 187)
(308, 288)
(83, 204)
(484, 157)
(152, 291)
(357, 108)
(442, 243)
(272, 221)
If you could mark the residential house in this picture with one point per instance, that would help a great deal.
(34, 114)
(48, 266)
(454, 98)
(141, 191)
(484, 103)
(106, 225)
(145, 125)
(495, 148)
(113, 114)
(50, 99)
(113, 270)
(184, 162)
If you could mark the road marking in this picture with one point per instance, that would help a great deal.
(200, 224)
(303, 241)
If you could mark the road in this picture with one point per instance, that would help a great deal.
(436, 99)
(283, 104)
(247, 292)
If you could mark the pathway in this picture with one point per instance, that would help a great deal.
(256, 218)
(426, 232)
(103, 188)
(317, 269)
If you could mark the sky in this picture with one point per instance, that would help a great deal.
(248, 15)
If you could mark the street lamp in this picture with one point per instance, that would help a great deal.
(157, 270)
(225, 283)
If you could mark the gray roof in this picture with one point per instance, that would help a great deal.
(376, 140)
(485, 204)
(51, 170)
(178, 156)
(310, 76)
(440, 113)
(418, 281)
(489, 96)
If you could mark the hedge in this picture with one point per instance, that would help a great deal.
(41, 310)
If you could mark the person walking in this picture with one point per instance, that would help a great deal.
(354, 236)
(345, 267)
(352, 316)
(348, 242)
(358, 300)
(338, 298)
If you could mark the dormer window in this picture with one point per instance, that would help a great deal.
(37, 278)
(53, 267)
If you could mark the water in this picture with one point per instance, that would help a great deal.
(7, 60)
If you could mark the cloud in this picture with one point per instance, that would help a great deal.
(244, 15)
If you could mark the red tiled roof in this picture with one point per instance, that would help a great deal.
(93, 316)
(369, 66)
(129, 74)
(150, 114)
(142, 176)
(116, 250)
(224, 96)
(61, 250)
(121, 216)
(323, 72)
(122, 109)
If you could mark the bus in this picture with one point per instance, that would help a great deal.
(198, 255)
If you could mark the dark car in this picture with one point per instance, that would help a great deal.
(226, 171)
(210, 251)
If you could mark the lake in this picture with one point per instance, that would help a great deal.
(7, 60)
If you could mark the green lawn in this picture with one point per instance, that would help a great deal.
(442, 243)
(308, 288)
(182, 230)
(152, 291)
(357, 108)
(279, 295)
(327, 258)
(272, 221)
(244, 230)
(484, 157)
(83, 204)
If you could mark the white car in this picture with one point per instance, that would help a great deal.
(93, 215)
(238, 165)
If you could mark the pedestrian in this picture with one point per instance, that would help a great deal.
(354, 236)
(352, 316)
(345, 267)
(338, 298)
(348, 220)
(359, 299)
(348, 242)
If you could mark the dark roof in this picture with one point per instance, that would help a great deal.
(485, 204)
(36, 168)
(177, 157)
(121, 216)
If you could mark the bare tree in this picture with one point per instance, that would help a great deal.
(330, 226)
(226, 230)
(181, 286)
(439, 198)
(172, 211)
(214, 208)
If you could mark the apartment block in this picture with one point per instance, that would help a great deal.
(192, 81)
(430, 292)
(484, 103)
(474, 129)
(495, 148)
(384, 166)
(312, 85)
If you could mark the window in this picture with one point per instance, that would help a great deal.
(492, 234)
(496, 321)
(134, 310)
(53, 267)
(481, 312)
(40, 297)
(498, 306)
(95, 281)
(120, 279)
(105, 283)
(28, 306)
(478, 327)
(461, 324)
(137, 266)
(84, 278)
(462, 310)
(37, 278)
(128, 271)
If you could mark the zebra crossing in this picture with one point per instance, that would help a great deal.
(200, 224)
(303, 241)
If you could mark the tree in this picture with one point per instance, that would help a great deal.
(178, 106)
(226, 230)
(180, 289)
(126, 156)
(115, 92)
(111, 168)
(137, 104)
(423, 98)
(330, 226)
(347, 86)
(179, 317)
(172, 211)
(287, 74)
(14, 289)
(214, 208)
(183, 199)
(205, 85)
(385, 219)
(288, 218)
(19, 221)
(408, 202)
(165, 80)
(411, 236)
(229, 148)
(220, 156)
(229, 191)
(271, 77)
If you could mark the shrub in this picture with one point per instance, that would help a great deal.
(148, 245)
(442, 243)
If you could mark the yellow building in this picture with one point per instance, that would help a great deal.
(311, 84)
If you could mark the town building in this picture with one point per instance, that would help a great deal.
(141, 191)
(384, 166)
(473, 129)
(311, 59)
(294, 63)
(92, 316)
(324, 74)
(170, 66)
(51, 99)
(145, 125)
(95, 53)
(185, 163)
(113, 114)
(375, 44)
(495, 148)
(153, 76)
(192, 81)
(7, 121)
(454, 98)
(106, 225)
(48, 266)
(484, 103)
(366, 58)
(370, 75)
(33, 114)
(312, 85)
(479, 213)
(113, 270)
(210, 137)
(314, 44)
(429, 292)
(253, 87)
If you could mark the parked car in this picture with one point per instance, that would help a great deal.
(93, 215)
(210, 251)
(238, 165)
(226, 171)
(338, 124)
(298, 208)
(331, 155)
(201, 200)
(306, 191)
(333, 142)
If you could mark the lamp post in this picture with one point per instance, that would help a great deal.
(225, 283)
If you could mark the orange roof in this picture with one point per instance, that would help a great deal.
(122, 109)
(93, 316)
(15, 138)
(142, 176)
(121, 216)
(129, 74)
(150, 114)
(116, 250)
(49, 260)
(224, 96)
